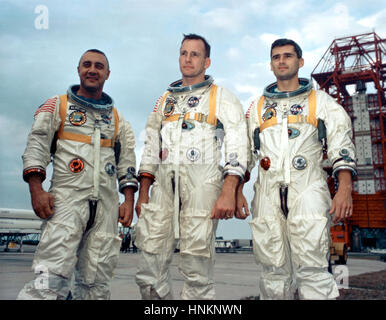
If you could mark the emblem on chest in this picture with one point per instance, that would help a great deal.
(169, 106)
(77, 118)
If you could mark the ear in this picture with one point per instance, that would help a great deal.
(78, 70)
(207, 62)
(270, 64)
(301, 62)
(108, 74)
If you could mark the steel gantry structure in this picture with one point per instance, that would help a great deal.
(353, 71)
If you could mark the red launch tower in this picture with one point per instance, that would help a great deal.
(353, 71)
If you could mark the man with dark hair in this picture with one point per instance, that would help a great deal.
(96, 51)
(92, 146)
(191, 189)
(285, 42)
(292, 206)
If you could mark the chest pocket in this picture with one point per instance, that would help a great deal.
(299, 118)
(66, 135)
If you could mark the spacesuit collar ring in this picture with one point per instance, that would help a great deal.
(176, 86)
(71, 93)
(270, 92)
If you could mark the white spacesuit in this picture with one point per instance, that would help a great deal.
(183, 153)
(94, 146)
(291, 221)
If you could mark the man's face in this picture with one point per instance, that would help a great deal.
(93, 71)
(193, 62)
(285, 63)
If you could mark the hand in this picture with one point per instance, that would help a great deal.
(42, 201)
(43, 204)
(142, 198)
(242, 211)
(126, 213)
(126, 208)
(342, 202)
(225, 205)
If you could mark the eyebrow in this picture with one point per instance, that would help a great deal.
(97, 63)
(284, 54)
(193, 51)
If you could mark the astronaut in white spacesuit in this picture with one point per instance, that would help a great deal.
(92, 146)
(291, 208)
(191, 190)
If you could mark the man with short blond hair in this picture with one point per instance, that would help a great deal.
(190, 190)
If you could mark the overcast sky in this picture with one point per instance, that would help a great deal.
(39, 54)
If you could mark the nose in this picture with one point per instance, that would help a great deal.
(92, 69)
(188, 57)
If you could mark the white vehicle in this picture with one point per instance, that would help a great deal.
(16, 224)
(224, 246)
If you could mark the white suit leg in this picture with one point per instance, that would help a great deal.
(98, 255)
(309, 225)
(197, 230)
(155, 238)
(153, 274)
(199, 277)
(278, 282)
(55, 256)
(271, 247)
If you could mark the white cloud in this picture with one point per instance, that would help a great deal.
(322, 27)
(233, 53)
(268, 38)
(223, 18)
(242, 88)
(13, 134)
(369, 22)
(287, 9)
(295, 35)
(375, 22)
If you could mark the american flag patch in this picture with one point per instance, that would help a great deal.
(48, 106)
(249, 109)
(157, 103)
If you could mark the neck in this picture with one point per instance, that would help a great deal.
(96, 95)
(187, 81)
(288, 85)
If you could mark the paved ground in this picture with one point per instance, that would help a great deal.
(237, 274)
